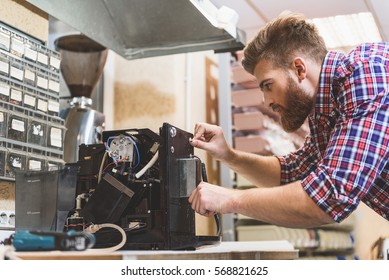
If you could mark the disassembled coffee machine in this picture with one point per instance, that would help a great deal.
(140, 181)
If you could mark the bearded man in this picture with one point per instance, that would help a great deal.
(344, 160)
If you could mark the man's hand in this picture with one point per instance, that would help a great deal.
(211, 139)
(208, 199)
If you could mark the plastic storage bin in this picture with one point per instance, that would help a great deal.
(4, 90)
(34, 163)
(37, 132)
(4, 65)
(3, 123)
(29, 99)
(15, 161)
(3, 155)
(56, 133)
(17, 127)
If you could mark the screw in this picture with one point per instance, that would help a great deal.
(173, 131)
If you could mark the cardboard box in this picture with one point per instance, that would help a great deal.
(240, 76)
(252, 144)
(247, 98)
(248, 121)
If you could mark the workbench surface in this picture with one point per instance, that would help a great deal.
(250, 250)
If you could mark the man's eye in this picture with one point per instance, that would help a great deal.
(275, 108)
(267, 86)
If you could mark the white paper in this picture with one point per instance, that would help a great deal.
(4, 89)
(35, 165)
(53, 106)
(56, 137)
(42, 105)
(17, 46)
(4, 67)
(30, 53)
(16, 162)
(17, 125)
(42, 82)
(29, 75)
(29, 100)
(5, 40)
(17, 73)
(42, 58)
(55, 62)
(16, 95)
(53, 85)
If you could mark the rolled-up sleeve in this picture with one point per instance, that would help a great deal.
(299, 164)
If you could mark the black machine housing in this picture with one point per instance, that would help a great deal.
(141, 181)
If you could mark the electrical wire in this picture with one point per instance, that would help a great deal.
(147, 166)
(111, 163)
(7, 252)
(205, 179)
(101, 167)
(95, 228)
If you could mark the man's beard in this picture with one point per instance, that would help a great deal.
(298, 106)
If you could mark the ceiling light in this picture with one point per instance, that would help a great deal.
(347, 31)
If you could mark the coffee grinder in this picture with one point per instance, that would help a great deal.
(82, 63)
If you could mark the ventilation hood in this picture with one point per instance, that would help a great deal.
(144, 28)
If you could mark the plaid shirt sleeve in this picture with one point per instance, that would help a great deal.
(357, 151)
(297, 165)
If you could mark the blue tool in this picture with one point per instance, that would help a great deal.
(47, 241)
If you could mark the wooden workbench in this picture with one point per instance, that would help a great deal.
(256, 250)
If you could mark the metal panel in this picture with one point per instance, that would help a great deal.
(135, 29)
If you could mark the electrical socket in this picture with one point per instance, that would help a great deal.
(7, 219)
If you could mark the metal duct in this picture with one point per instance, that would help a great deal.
(145, 28)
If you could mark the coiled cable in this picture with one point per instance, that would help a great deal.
(95, 228)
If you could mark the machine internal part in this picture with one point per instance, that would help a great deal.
(121, 149)
(142, 187)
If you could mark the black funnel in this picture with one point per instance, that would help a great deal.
(82, 62)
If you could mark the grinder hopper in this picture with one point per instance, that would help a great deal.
(82, 63)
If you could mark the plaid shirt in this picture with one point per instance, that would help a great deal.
(344, 160)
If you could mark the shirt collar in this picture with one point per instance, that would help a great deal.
(324, 103)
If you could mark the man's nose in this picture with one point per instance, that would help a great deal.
(267, 100)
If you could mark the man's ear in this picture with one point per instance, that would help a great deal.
(299, 67)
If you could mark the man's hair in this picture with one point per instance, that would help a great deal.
(287, 35)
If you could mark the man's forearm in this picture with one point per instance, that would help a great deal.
(287, 205)
(262, 171)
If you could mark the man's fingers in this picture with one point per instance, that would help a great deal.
(199, 144)
(199, 131)
(202, 131)
(195, 201)
(190, 200)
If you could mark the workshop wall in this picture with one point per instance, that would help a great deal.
(150, 91)
(25, 17)
(369, 227)
(147, 92)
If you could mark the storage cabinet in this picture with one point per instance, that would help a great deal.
(31, 131)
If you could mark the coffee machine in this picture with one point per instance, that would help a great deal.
(140, 181)
(82, 63)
